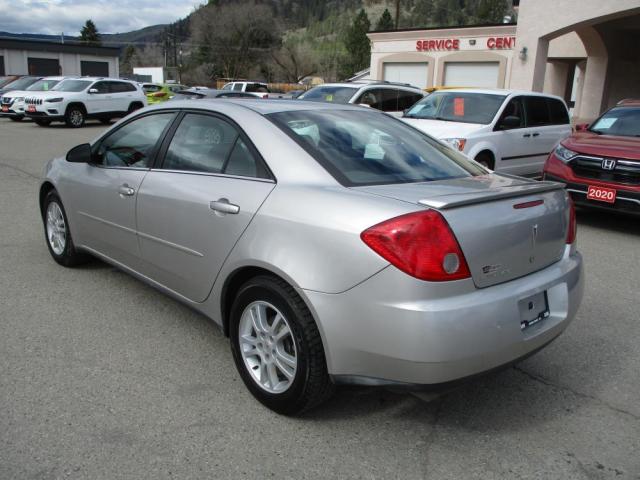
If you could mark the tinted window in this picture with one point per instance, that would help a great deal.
(365, 148)
(385, 99)
(407, 99)
(237, 86)
(557, 111)
(242, 162)
(619, 121)
(329, 94)
(467, 107)
(515, 108)
(72, 85)
(256, 87)
(151, 88)
(133, 144)
(537, 111)
(120, 87)
(102, 87)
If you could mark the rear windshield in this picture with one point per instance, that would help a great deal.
(72, 85)
(43, 85)
(465, 107)
(151, 88)
(21, 83)
(369, 148)
(329, 94)
(619, 121)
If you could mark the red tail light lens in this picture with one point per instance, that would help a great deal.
(420, 244)
(572, 231)
(160, 94)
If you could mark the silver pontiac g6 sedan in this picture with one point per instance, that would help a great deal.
(332, 244)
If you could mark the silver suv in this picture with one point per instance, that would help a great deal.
(389, 97)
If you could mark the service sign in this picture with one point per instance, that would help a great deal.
(438, 44)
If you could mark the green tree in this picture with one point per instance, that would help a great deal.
(357, 45)
(126, 60)
(385, 22)
(89, 33)
(492, 11)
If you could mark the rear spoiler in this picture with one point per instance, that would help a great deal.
(455, 200)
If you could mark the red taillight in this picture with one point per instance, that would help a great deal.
(160, 94)
(572, 231)
(420, 244)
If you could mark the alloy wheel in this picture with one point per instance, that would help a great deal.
(56, 228)
(267, 347)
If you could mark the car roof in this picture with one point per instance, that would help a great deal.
(497, 91)
(265, 107)
(381, 83)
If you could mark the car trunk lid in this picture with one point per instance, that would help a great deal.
(507, 227)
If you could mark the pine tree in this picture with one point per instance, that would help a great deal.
(89, 33)
(357, 44)
(492, 11)
(385, 22)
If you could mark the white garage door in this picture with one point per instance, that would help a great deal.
(406, 72)
(471, 74)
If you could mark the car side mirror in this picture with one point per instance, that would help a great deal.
(510, 121)
(93, 90)
(582, 127)
(80, 154)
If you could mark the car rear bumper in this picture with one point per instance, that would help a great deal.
(395, 330)
(627, 196)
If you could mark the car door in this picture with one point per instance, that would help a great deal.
(544, 135)
(512, 141)
(121, 96)
(104, 192)
(98, 98)
(195, 205)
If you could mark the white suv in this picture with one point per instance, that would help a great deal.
(505, 130)
(76, 99)
(257, 89)
(389, 97)
(12, 103)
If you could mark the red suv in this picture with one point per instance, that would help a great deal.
(601, 163)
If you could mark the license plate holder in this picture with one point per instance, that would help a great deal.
(601, 194)
(533, 310)
(5, 108)
(31, 108)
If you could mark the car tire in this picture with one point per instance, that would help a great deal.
(57, 233)
(43, 123)
(105, 121)
(74, 116)
(15, 119)
(288, 351)
(485, 160)
(133, 107)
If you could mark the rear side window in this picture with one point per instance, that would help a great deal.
(204, 143)
(385, 99)
(120, 87)
(367, 148)
(407, 99)
(133, 144)
(537, 111)
(557, 112)
(256, 87)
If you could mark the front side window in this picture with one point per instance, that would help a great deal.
(537, 111)
(329, 94)
(619, 121)
(205, 143)
(366, 148)
(101, 87)
(132, 145)
(514, 109)
(72, 86)
(452, 106)
(237, 87)
(385, 99)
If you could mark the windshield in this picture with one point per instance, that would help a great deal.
(465, 107)
(329, 94)
(619, 121)
(43, 85)
(21, 83)
(227, 86)
(369, 148)
(4, 81)
(72, 85)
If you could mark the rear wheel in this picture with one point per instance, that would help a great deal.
(74, 117)
(134, 106)
(16, 119)
(43, 123)
(57, 233)
(277, 347)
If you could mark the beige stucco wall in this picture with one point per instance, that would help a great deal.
(16, 61)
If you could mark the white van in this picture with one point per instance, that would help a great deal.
(506, 130)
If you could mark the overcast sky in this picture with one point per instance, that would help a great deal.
(68, 16)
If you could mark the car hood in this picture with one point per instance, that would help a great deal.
(443, 129)
(604, 145)
(15, 93)
(44, 95)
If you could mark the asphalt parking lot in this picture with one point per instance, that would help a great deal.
(102, 377)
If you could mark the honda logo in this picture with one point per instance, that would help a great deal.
(608, 164)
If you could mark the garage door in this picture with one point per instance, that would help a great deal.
(408, 72)
(94, 69)
(471, 74)
(1, 65)
(43, 66)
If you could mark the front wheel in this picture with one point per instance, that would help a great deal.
(43, 123)
(105, 121)
(74, 117)
(16, 119)
(277, 347)
(58, 236)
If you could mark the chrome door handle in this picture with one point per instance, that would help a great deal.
(222, 205)
(125, 190)
(535, 134)
(526, 135)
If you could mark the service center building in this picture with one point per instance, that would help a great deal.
(456, 57)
